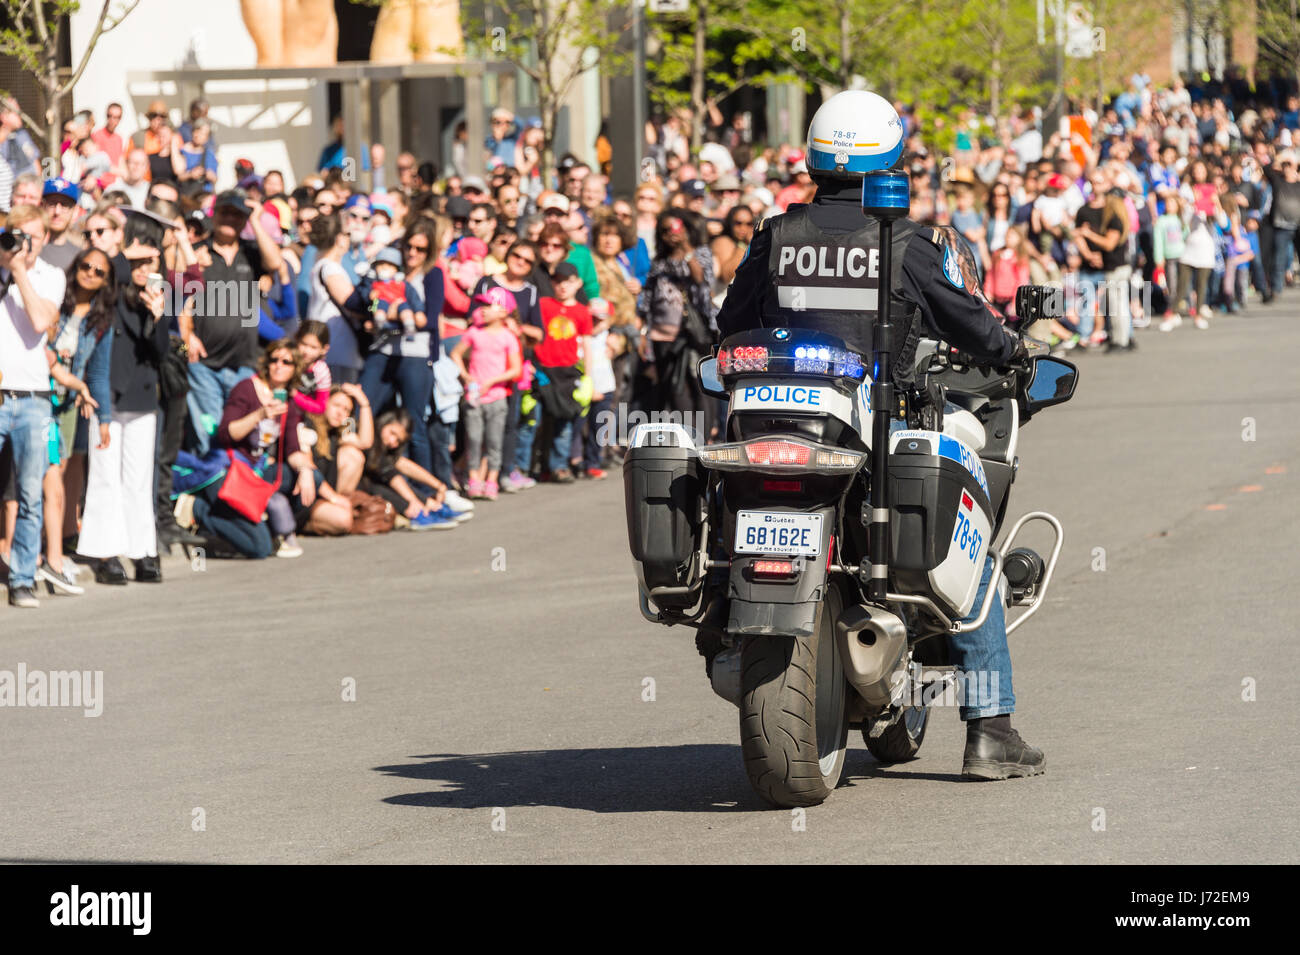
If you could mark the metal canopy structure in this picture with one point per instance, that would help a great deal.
(360, 123)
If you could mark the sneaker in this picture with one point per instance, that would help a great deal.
(457, 503)
(1071, 342)
(1206, 312)
(24, 597)
(457, 517)
(1098, 338)
(595, 474)
(62, 583)
(475, 489)
(490, 490)
(1141, 321)
(521, 481)
(1201, 323)
(428, 521)
(183, 512)
(288, 548)
(1170, 323)
(562, 476)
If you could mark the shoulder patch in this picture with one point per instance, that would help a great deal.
(952, 268)
(934, 236)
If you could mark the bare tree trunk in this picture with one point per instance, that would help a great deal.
(697, 74)
(846, 46)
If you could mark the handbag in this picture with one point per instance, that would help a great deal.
(371, 514)
(174, 370)
(695, 330)
(246, 492)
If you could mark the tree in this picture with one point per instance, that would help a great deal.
(711, 48)
(1278, 23)
(32, 36)
(553, 42)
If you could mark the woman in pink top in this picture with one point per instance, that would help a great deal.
(494, 364)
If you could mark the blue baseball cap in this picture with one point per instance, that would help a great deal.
(62, 187)
(358, 200)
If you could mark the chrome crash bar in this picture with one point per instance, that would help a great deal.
(1040, 591)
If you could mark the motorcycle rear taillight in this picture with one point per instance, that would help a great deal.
(773, 568)
(743, 358)
(778, 452)
(783, 486)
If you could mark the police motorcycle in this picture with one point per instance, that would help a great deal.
(846, 526)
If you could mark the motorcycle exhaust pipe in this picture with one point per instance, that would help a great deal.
(873, 647)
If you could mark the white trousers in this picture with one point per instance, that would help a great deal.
(119, 518)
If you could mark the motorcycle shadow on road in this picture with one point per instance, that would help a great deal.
(705, 777)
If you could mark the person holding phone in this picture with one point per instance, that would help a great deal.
(260, 425)
(119, 514)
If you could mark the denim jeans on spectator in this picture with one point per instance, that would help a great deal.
(982, 653)
(209, 390)
(441, 437)
(25, 423)
(592, 452)
(525, 435)
(1283, 243)
(218, 517)
(1094, 281)
(412, 379)
(561, 440)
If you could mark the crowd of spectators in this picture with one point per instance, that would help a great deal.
(236, 369)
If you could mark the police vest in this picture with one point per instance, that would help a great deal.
(831, 283)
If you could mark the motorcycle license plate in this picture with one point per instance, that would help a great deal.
(778, 532)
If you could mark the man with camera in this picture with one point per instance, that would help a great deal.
(30, 293)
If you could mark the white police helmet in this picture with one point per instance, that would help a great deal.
(853, 133)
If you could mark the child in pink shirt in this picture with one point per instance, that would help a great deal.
(313, 392)
(494, 364)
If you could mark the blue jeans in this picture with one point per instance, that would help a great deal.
(561, 440)
(983, 655)
(25, 423)
(209, 391)
(524, 437)
(441, 437)
(1284, 241)
(215, 515)
(412, 378)
(1095, 281)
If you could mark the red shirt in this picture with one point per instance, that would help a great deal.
(563, 325)
(111, 143)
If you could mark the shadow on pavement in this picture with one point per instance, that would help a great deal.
(691, 778)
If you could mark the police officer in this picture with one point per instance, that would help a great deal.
(817, 267)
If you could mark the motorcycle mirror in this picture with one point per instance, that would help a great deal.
(1052, 383)
(710, 383)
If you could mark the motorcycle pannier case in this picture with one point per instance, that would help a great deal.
(663, 490)
(942, 518)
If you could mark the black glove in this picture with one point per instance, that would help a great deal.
(1020, 354)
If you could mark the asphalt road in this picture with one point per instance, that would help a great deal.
(499, 713)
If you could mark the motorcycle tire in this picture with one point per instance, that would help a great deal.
(901, 741)
(794, 720)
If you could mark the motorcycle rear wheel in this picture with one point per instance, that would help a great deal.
(794, 720)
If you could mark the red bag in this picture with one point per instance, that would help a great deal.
(244, 491)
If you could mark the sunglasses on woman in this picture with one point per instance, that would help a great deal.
(423, 249)
(92, 270)
(282, 361)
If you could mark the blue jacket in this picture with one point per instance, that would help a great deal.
(91, 363)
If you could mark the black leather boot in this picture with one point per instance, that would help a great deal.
(147, 571)
(995, 751)
(110, 571)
